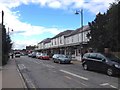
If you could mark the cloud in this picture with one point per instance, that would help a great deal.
(26, 29)
(21, 44)
(93, 5)
(11, 20)
(55, 4)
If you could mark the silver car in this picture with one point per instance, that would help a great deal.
(61, 58)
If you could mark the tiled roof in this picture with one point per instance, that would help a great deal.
(85, 28)
(63, 33)
(66, 33)
(45, 40)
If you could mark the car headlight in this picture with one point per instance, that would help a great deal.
(117, 66)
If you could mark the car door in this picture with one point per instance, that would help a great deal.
(100, 62)
(55, 57)
(91, 60)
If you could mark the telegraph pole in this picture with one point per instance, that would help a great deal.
(2, 38)
(2, 18)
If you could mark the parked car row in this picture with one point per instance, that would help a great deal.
(16, 54)
(39, 55)
(107, 63)
(57, 58)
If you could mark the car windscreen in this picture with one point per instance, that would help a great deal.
(63, 56)
(44, 54)
(17, 52)
(113, 58)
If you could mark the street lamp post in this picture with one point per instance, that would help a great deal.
(1, 39)
(2, 17)
(81, 12)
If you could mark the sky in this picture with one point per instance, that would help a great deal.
(35, 20)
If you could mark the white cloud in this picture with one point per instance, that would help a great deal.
(12, 18)
(21, 44)
(93, 4)
(55, 4)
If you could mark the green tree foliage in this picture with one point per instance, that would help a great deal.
(105, 29)
(113, 26)
(6, 46)
(98, 32)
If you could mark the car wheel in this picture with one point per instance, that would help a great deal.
(59, 62)
(110, 71)
(69, 62)
(54, 61)
(85, 66)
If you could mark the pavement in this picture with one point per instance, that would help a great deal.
(10, 76)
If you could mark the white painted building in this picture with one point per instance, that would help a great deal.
(67, 42)
(59, 40)
(75, 39)
(46, 43)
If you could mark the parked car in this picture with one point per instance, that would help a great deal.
(44, 56)
(17, 54)
(30, 55)
(61, 58)
(101, 62)
(38, 54)
(33, 55)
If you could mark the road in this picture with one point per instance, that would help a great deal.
(46, 74)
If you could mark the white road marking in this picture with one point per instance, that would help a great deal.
(50, 66)
(22, 78)
(68, 77)
(105, 84)
(21, 66)
(113, 86)
(38, 62)
(47, 65)
(81, 77)
(30, 83)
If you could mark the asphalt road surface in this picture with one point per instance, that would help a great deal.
(47, 74)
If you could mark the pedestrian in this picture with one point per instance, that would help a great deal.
(12, 55)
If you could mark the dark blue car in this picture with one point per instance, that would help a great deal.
(101, 62)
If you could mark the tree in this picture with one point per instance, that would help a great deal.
(112, 26)
(6, 46)
(98, 32)
(105, 29)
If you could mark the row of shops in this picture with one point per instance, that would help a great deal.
(68, 42)
(75, 51)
